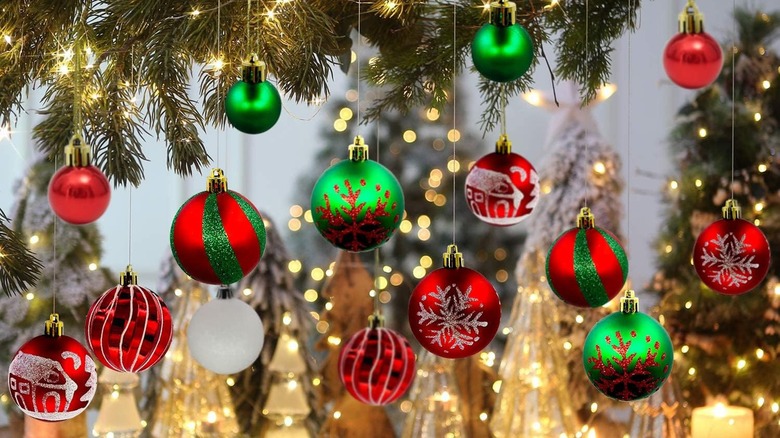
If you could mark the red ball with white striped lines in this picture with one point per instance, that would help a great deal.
(129, 328)
(376, 366)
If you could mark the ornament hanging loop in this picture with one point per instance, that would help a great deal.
(376, 321)
(452, 258)
(732, 210)
(503, 13)
(358, 151)
(690, 19)
(503, 145)
(217, 181)
(585, 219)
(253, 70)
(54, 327)
(629, 303)
(77, 154)
(128, 277)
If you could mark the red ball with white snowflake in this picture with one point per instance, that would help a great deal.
(129, 328)
(357, 204)
(454, 311)
(376, 365)
(52, 377)
(732, 256)
(502, 188)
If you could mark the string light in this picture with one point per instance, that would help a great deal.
(741, 364)
(673, 185)
(93, 266)
(766, 84)
(702, 132)
(600, 168)
(5, 132)
(30, 296)
(757, 117)
(762, 167)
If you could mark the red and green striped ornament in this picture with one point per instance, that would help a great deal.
(217, 236)
(586, 266)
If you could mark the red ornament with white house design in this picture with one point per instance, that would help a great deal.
(502, 188)
(454, 311)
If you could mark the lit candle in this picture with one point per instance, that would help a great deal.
(721, 421)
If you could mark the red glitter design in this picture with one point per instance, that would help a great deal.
(345, 229)
(621, 379)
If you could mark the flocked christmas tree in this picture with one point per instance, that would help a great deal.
(543, 390)
(184, 399)
(727, 345)
(278, 386)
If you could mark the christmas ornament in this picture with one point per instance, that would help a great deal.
(376, 365)
(52, 377)
(253, 104)
(357, 204)
(454, 311)
(732, 256)
(628, 355)
(586, 266)
(502, 50)
(502, 188)
(217, 236)
(79, 193)
(692, 58)
(129, 327)
(225, 335)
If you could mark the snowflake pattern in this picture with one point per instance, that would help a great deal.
(619, 379)
(345, 230)
(728, 260)
(453, 325)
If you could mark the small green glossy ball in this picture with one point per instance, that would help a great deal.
(253, 108)
(628, 356)
(357, 206)
(502, 53)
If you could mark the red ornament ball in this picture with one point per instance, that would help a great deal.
(79, 194)
(693, 60)
(586, 267)
(731, 256)
(218, 237)
(376, 365)
(454, 312)
(129, 328)
(502, 188)
(52, 378)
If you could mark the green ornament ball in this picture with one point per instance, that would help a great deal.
(357, 205)
(502, 53)
(253, 108)
(628, 356)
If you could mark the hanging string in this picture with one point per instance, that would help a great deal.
(77, 122)
(587, 69)
(357, 60)
(248, 21)
(628, 129)
(733, 92)
(454, 106)
(377, 307)
(130, 225)
(218, 73)
(503, 109)
(54, 260)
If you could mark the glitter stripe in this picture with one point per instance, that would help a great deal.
(218, 249)
(585, 271)
(617, 249)
(254, 218)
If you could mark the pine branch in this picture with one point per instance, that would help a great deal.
(19, 268)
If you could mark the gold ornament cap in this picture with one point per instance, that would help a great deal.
(77, 153)
(629, 303)
(358, 150)
(128, 277)
(585, 219)
(690, 19)
(376, 320)
(216, 181)
(503, 13)
(224, 292)
(253, 70)
(54, 327)
(732, 210)
(452, 258)
(503, 145)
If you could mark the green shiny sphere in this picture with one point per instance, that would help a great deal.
(253, 108)
(502, 53)
(357, 206)
(628, 356)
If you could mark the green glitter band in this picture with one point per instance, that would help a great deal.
(585, 271)
(218, 249)
(617, 249)
(254, 218)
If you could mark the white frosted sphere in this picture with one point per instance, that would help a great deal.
(225, 336)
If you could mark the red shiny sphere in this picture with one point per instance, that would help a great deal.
(693, 60)
(732, 256)
(79, 195)
(376, 366)
(454, 312)
(502, 189)
(52, 378)
(129, 328)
